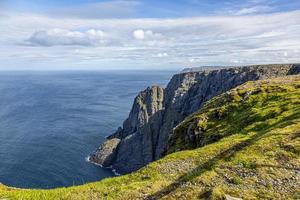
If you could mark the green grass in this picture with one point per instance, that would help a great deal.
(244, 143)
(252, 107)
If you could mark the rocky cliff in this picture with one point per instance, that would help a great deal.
(157, 110)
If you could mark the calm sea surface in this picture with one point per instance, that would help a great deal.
(51, 121)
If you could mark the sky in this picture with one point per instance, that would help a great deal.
(147, 34)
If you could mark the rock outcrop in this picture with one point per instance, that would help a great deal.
(156, 111)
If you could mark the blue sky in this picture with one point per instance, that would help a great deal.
(154, 8)
(132, 34)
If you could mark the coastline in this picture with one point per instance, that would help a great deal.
(87, 159)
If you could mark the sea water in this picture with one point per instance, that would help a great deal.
(51, 121)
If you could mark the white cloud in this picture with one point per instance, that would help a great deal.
(253, 10)
(139, 34)
(57, 36)
(192, 60)
(146, 35)
(161, 55)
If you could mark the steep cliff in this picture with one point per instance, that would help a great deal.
(136, 141)
(156, 111)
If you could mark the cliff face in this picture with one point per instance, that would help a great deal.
(135, 142)
(156, 111)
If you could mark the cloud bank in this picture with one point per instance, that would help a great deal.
(91, 37)
(39, 41)
(54, 37)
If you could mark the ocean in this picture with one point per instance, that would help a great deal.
(51, 121)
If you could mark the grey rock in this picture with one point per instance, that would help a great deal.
(106, 152)
(156, 111)
(138, 135)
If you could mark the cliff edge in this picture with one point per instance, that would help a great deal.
(144, 135)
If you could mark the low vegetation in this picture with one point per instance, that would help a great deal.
(244, 144)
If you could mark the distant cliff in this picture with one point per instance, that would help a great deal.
(157, 110)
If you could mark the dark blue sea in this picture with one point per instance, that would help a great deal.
(51, 121)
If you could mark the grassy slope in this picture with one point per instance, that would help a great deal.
(256, 156)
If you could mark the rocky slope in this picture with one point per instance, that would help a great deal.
(244, 143)
(157, 110)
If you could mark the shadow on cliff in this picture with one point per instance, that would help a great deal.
(295, 69)
(223, 156)
(182, 96)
